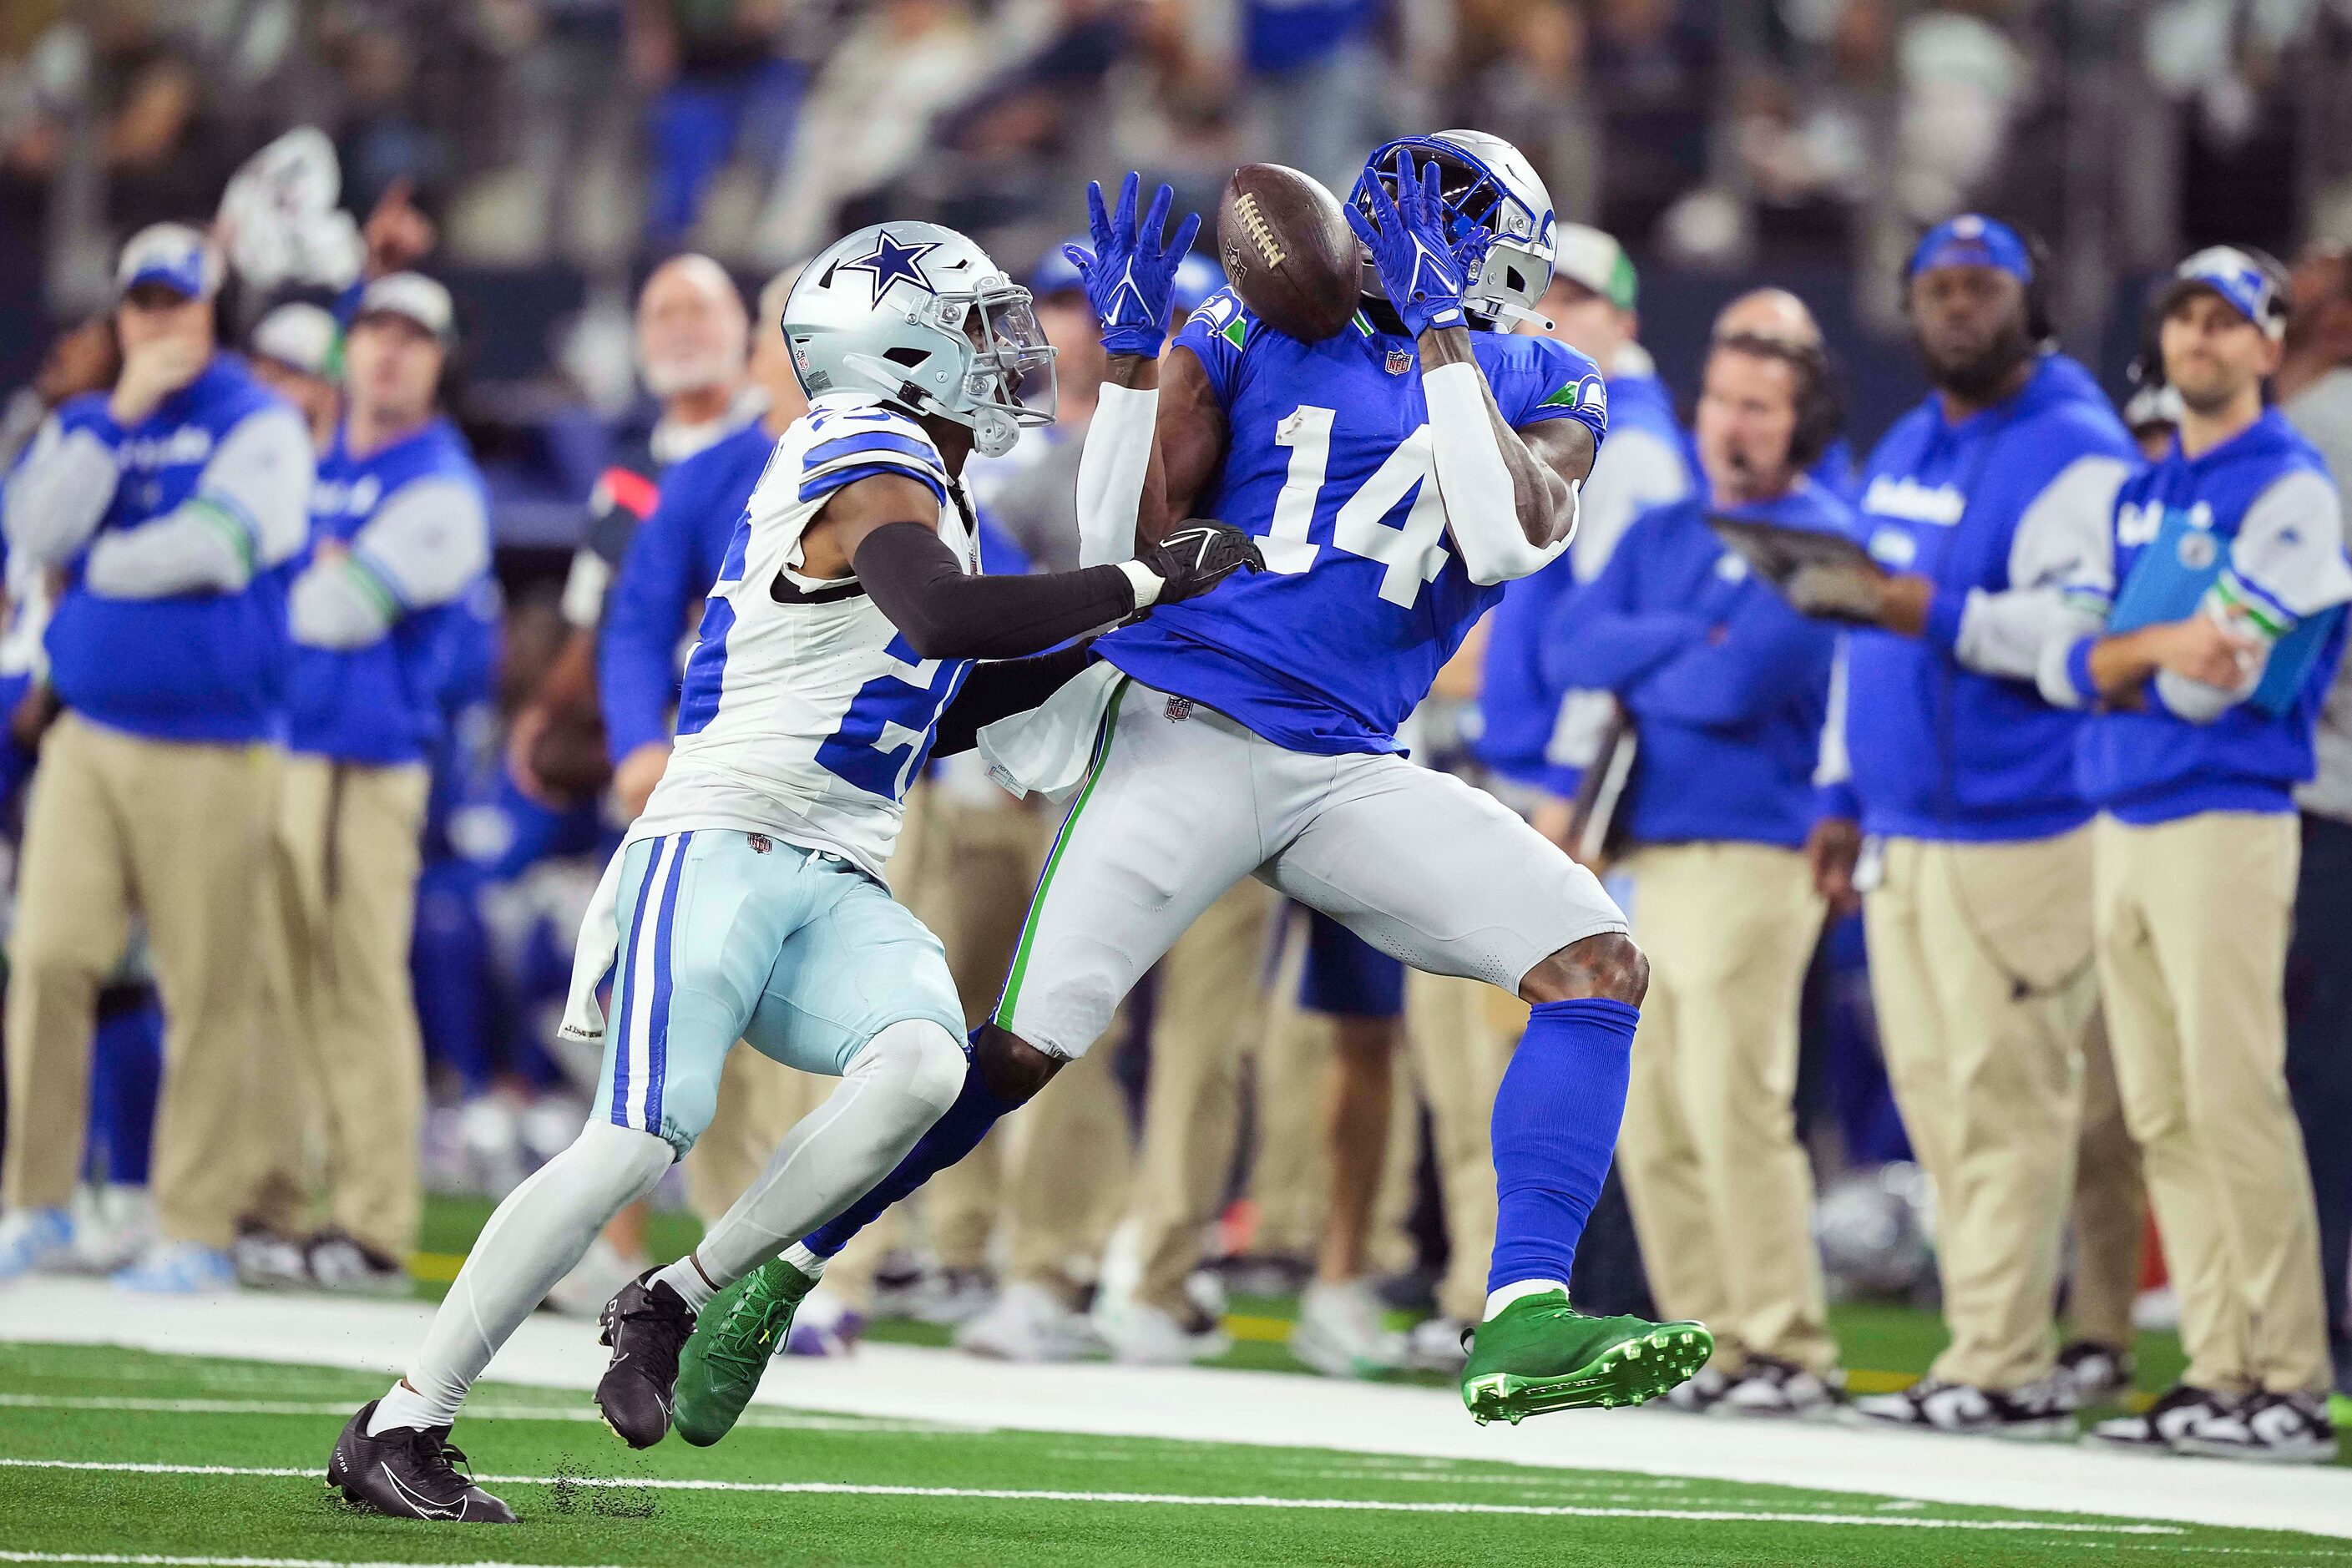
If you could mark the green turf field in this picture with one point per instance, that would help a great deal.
(215, 1463)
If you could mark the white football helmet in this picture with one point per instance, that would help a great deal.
(920, 315)
(1500, 221)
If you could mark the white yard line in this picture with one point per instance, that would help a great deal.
(162, 1562)
(1181, 1500)
(767, 1420)
(1190, 1404)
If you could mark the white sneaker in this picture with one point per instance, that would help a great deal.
(1027, 1323)
(951, 1297)
(179, 1269)
(2099, 1373)
(1699, 1393)
(34, 1239)
(1434, 1344)
(1339, 1333)
(2040, 1411)
(1144, 1335)
(595, 1279)
(1767, 1386)
(2267, 1429)
(112, 1226)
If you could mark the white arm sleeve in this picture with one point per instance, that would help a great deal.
(1113, 466)
(1482, 506)
(2058, 543)
(425, 546)
(250, 511)
(58, 493)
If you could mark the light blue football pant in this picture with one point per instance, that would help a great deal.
(729, 936)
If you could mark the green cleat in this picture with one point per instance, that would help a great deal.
(1541, 1354)
(734, 1339)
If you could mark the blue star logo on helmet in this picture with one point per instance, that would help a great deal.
(894, 260)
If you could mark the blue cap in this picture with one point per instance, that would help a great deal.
(1972, 239)
(171, 254)
(2243, 283)
(1057, 273)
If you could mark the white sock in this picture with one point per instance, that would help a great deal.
(898, 1084)
(1498, 1299)
(403, 1406)
(533, 1238)
(685, 1278)
(808, 1262)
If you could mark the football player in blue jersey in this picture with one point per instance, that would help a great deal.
(1395, 476)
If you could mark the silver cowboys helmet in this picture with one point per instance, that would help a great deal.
(1499, 216)
(918, 314)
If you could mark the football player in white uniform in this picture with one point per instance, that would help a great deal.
(747, 902)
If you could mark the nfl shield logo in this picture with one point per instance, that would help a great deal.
(1399, 361)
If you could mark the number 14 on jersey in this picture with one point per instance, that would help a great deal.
(1413, 552)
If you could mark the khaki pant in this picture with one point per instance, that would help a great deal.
(1459, 1035)
(341, 1016)
(178, 832)
(2192, 931)
(1721, 1193)
(1980, 967)
(1210, 1014)
(2110, 1205)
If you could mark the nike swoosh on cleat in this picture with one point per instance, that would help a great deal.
(423, 1506)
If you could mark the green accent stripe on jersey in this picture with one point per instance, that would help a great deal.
(1003, 1018)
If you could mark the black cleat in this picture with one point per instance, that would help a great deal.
(408, 1473)
(646, 1325)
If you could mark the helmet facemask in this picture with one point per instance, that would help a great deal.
(1503, 246)
(1006, 383)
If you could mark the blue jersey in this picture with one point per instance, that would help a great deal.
(1329, 463)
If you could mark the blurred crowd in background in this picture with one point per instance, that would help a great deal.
(553, 159)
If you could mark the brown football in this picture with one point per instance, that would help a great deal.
(1288, 252)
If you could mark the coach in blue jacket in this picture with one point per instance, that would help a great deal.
(1978, 502)
(170, 503)
(1727, 687)
(2213, 626)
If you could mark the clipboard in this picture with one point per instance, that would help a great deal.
(1823, 574)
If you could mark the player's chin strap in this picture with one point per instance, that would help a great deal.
(1113, 466)
(1482, 508)
(1504, 308)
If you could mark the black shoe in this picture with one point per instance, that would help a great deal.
(408, 1473)
(2180, 1411)
(646, 1325)
(2035, 1412)
(2098, 1371)
(2268, 1428)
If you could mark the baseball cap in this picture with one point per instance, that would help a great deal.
(172, 254)
(297, 334)
(412, 297)
(2255, 290)
(1590, 258)
(1972, 239)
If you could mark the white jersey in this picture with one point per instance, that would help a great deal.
(804, 714)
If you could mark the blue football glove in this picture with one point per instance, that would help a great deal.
(1406, 234)
(1130, 276)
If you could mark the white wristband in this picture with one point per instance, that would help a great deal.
(1112, 470)
(1146, 581)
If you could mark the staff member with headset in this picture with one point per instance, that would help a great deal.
(2209, 626)
(1977, 503)
(1727, 687)
(400, 533)
(172, 502)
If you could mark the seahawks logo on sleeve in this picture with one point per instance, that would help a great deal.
(1587, 396)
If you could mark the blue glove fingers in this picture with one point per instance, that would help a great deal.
(1182, 244)
(1155, 222)
(1082, 258)
(1123, 222)
(1097, 219)
(1364, 229)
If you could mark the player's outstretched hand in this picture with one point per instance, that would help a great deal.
(1406, 234)
(1197, 555)
(1130, 275)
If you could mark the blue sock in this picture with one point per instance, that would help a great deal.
(955, 1134)
(1555, 1128)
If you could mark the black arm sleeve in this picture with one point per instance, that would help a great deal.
(914, 576)
(993, 691)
